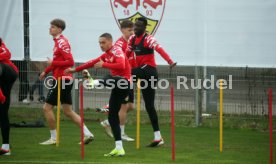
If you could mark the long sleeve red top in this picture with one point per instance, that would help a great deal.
(114, 60)
(122, 43)
(149, 43)
(62, 58)
(5, 56)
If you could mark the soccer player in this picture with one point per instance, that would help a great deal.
(127, 30)
(8, 75)
(113, 59)
(143, 45)
(62, 60)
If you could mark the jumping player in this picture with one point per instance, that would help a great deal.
(143, 45)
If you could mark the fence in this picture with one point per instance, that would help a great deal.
(247, 96)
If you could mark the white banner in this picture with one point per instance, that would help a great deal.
(85, 20)
(193, 32)
(11, 27)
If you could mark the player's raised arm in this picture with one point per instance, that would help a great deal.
(86, 65)
(151, 42)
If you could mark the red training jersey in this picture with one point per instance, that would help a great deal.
(5, 57)
(114, 60)
(122, 43)
(150, 43)
(62, 58)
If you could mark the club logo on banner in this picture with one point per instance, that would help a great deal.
(153, 10)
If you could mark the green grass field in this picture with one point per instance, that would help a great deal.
(193, 145)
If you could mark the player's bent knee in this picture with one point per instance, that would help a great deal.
(68, 113)
(130, 107)
(67, 110)
(47, 108)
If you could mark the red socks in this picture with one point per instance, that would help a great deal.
(2, 97)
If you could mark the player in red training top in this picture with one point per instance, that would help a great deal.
(143, 46)
(8, 75)
(62, 59)
(119, 80)
(127, 30)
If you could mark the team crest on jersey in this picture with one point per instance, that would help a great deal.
(153, 10)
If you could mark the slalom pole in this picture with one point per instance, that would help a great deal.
(82, 121)
(172, 122)
(138, 106)
(221, 117)
(172, 112)
(58, 114)
(270, 123)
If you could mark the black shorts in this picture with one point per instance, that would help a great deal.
(129, 98)
(65, 94)
(144, 72)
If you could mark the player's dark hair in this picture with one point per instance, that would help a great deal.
(143, 19)
(59, 23)
(107, 36)
(0, 41)
(126, 24)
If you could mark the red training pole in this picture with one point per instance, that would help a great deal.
(172, 122)
(270, 123)
(82, 124)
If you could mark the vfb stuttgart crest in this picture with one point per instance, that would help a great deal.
(132, 9)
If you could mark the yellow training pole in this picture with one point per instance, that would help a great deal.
(220, 117)
(58, 114)
(138, 106)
